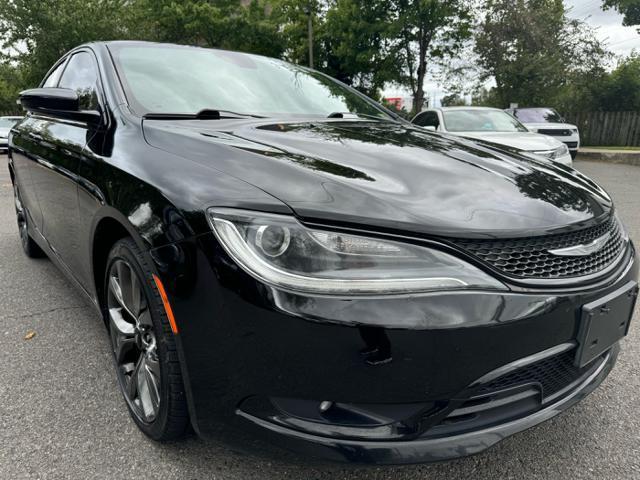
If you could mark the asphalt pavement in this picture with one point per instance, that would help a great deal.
(62, 416)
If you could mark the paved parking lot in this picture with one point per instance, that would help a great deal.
(61, 415)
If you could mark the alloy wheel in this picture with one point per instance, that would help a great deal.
(133, 341)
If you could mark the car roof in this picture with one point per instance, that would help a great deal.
(532, 108)
(142, 43)
(449, 109)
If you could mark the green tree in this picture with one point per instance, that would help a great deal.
(534, 52)
(630, 9)
(620, 91)
(357, 46)
(292, 20)
(368, 43)
(427, 30)
(11, 82)
(229, 24)
(36, 34)
(453, 100)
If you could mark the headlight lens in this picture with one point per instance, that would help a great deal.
(556, 153)
(561, 151)
(280, 251)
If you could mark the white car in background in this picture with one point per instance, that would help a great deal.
(547, 121)
(5, 125)
(495, 126)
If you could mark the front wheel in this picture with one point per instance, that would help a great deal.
(143, 345)
(30, 247)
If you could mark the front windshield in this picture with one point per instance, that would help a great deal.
(8, 122)
(186, 80)
(538, 115)
(481, 121)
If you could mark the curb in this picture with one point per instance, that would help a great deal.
(628, 158)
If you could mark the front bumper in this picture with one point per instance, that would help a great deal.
(254, 358)
(432, 448)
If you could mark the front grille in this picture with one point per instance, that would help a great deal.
(552, 374)
(530, 257)
(571, 144)
(556, 132)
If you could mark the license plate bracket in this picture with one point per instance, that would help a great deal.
(604, 322)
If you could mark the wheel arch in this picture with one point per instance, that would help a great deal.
(110, 227)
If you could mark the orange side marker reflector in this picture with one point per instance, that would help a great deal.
(167, 305)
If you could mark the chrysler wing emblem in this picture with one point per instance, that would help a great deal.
(583, 250)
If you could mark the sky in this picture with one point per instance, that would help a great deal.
(608, 24)
(620, 40)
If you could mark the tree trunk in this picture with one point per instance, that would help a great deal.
(418, 100)
(418, 95)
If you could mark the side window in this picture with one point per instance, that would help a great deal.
(52, 79)
(427, 119)
(81, 75)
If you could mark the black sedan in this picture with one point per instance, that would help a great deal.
(282, 262)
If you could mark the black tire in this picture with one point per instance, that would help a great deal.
(160, 408)
(574, 154)
(29, 246)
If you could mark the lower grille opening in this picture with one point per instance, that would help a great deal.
(516, 394)
(552, 374)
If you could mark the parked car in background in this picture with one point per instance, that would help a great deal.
(495, 126)
(5, 126)
(281, 261)
(548, 121)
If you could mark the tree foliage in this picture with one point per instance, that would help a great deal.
(227, 24)
(630, 9)
(534, 52)
(620, 91)
(11, 83)
(36, 34)
(428, 30)
(453, 100)
(358, 45)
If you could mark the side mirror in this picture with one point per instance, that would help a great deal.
(57, 102)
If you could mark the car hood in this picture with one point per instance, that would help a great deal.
(524, 141)
(4, 132)
(550, 126)
(387, 175)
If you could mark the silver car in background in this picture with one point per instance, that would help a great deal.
(5, 126)
(495, 126)
(548, 121)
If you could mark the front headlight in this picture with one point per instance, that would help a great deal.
(278, 250)
(561, 151)
(555, 153)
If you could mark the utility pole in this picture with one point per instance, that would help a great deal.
(309, 12)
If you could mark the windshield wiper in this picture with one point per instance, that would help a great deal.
(356, 115)
(205, 114)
